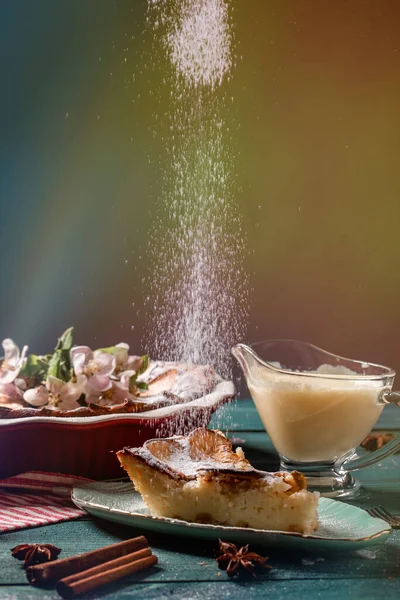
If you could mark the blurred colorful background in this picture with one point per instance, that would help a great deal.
(315, 127)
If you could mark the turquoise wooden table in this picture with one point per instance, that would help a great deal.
(187, 568)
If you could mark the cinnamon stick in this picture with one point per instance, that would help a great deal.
(51, 572)
(87, 581)
(117, 562)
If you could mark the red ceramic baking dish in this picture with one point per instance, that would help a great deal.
(86, 446)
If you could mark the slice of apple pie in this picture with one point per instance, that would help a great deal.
(199, 478)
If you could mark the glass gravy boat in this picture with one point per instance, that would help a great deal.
(317, 408)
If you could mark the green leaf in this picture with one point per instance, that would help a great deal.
(142, 385)
(109, 350)
(60, 365)
(55, 365)
(134, 385)
(145, 365)
(65, 341)
(36, 366)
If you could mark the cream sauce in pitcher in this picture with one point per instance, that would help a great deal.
(317, 420)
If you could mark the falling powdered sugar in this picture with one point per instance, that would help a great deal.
(200, 44)
(197, 299)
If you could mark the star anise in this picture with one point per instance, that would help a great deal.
(240, 562)
(32, 554)
(374, 441)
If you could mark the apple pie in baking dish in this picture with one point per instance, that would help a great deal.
(168, 384)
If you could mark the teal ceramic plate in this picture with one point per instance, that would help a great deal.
(341, 526)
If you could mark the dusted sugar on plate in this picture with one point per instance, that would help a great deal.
(199, 478)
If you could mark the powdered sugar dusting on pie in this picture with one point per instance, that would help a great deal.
(199, 478)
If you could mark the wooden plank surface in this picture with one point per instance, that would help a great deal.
(361, 589)
(198, 562)
(187, 569)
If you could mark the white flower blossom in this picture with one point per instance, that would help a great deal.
(9, 392)
(12, 362)
(93, 369)
(125, 361)
(58, 393)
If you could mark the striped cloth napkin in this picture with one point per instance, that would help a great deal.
(37, 498)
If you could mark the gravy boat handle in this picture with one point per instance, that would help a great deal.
(388, 449)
